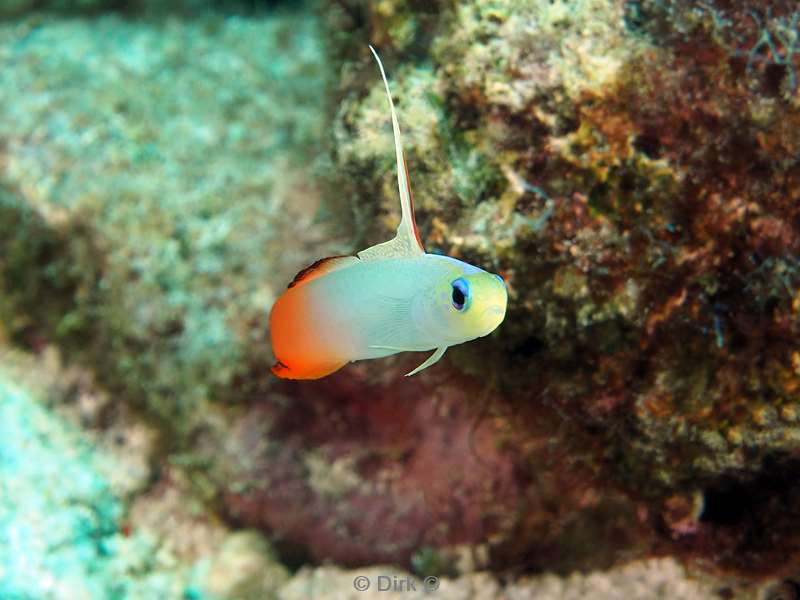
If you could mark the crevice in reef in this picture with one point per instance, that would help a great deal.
(753, 522)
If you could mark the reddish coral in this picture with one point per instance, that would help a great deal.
(367, 467)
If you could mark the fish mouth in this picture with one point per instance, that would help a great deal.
(493, 316)
(493, 310)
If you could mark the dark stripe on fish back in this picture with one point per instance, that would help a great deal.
(312, 268)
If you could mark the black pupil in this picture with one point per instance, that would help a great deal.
(458, 297)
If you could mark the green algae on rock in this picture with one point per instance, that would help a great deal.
(138, 8)
(167, 162)
(84, 512)
(56, 513)
(61, 531)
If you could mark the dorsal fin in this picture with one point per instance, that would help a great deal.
(407, 241)
(321, 267)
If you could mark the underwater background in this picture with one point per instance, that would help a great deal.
(631, 168)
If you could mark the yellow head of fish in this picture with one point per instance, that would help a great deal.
(463, 303)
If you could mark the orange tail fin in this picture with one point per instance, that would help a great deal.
(310, 371)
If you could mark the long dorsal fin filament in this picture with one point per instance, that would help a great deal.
(407, 242)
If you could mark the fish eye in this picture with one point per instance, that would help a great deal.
(460, 293)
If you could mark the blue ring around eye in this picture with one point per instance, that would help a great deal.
(460, 295)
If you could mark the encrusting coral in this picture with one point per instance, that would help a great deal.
(158, 225)
(630, 167)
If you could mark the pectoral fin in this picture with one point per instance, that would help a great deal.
(407, 242)
(432, 359)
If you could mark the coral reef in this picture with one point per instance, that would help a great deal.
(652, 579)
(57, 516)
(151, 8)
(84, 513)
(360, 470)
(62, 516)
(628, 166)
(146, 236)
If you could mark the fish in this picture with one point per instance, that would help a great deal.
(389, 298)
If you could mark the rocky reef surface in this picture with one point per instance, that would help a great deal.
(86, 511)
(629, 167)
